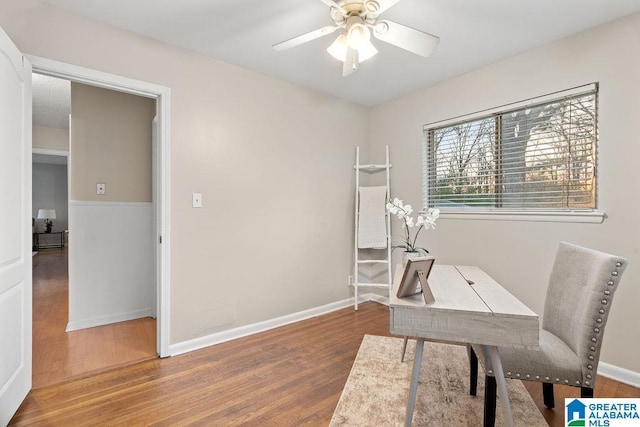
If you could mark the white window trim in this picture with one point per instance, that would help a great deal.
(591, 216)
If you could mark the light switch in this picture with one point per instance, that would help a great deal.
(101, 188)
(197, 200)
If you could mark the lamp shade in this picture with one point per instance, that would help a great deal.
(46, 214)
(338, 49)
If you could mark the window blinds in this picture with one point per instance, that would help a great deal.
(539, 156)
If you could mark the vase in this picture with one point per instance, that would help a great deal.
(408, 255)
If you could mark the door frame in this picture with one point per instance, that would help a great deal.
(162, 96)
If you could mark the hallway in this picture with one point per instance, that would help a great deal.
(60, 355)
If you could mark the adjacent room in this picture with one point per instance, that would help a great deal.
(318, 212)
(88, 325)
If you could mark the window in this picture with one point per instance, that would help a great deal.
(537, 156)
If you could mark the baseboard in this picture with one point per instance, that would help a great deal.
(243, 331)
(106, 320)
(606, 370)
(619, 374)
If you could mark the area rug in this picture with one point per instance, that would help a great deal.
(377, 389)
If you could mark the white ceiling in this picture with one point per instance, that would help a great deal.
(473, 33)
(51, 101)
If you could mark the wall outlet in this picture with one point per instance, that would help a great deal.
(196, 200)
(101, 188)
(349, 280)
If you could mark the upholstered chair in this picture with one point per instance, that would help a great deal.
(577, 305)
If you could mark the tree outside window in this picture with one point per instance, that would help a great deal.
(540, 157)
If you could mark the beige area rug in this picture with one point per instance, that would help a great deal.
(377, 389)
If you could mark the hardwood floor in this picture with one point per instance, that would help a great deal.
(605, 387)
(60, 355)
(292, 375)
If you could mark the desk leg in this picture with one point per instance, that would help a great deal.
(417, 361)
(496, 363)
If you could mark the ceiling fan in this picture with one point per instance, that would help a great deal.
(358, 19)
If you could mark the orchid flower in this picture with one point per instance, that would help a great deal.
(403, 212)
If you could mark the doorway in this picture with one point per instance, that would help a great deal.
(64, 347)
(160, 169)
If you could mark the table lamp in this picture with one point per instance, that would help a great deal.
(47, 215)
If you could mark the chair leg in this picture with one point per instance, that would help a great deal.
(404, 348)
(586, 392)
(490, 387)
(547, 395)
(473, 372)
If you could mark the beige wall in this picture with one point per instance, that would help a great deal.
(50, 138)
(272, 161)
(520, 254)
(110, 143)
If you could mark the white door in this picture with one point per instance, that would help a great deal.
(15, 223)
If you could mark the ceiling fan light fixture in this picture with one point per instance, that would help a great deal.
(357, 35)
(358, 21)
(338, 48)
(366, 51)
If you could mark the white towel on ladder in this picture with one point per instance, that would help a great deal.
(372, 230)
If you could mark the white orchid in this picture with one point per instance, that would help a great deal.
(425, 220)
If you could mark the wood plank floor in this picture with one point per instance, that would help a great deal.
(288, 376)
(60, 355)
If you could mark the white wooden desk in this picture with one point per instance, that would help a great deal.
(483, 313)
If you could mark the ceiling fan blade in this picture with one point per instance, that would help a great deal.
(404, 37)
(304, 38)
(334, 5)
(350, 62)
(378, 6)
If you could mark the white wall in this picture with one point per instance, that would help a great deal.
(110, 264)
(520, 254)
(272, 161)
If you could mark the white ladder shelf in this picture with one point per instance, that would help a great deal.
(370, 168)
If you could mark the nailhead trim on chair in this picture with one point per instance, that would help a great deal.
(599, 321)
(594, 339)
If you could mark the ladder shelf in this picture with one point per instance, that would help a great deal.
(381, 215)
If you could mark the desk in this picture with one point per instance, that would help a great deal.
(36, 240)
(483, 313)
